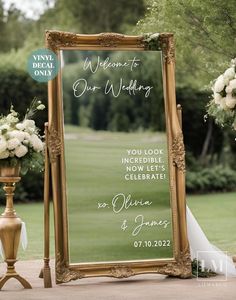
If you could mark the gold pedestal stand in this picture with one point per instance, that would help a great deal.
(10, 230)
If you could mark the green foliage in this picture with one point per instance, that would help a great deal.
(18, 88)
(13, 28)
(215, 179)
(32, 161)
(67, 15)
(198, 272)
(204, 32)
(152, 41)
(104, 15)
(231, 153)
(2, 24)
(195, 128)
(222, 116)
(192, 162)
(30, 188)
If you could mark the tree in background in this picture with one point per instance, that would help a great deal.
(2, 26)
(204, 33)
(104, 112)
(205, 41)
(13, 28)
(95, 16)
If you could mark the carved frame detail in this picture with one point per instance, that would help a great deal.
(54, 144)
(178, 152)
(110, 39)
(180, 268)
(121, 271)
(63, 273)
(167, 46)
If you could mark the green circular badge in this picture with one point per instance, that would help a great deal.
(43, 65)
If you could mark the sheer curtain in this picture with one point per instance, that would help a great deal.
(207, 254)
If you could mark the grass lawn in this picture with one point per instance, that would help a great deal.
(216, 213)
(32, 215)
(95, 174)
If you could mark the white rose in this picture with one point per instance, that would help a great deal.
(29, 126)
(25, 142)
(36, 143)
(4, 127)
(20, 135)
(27, 136)
(219, 84)
(4, 154)
(21, 151)
(3, 144)
(232, 84)
(217, 98)
(228, 89)
(223, 104)
(11, 119)
(229, 73)
(20, 126)
(226, 80)
(13, 143)
(30, 130)
(230, 101)
(29, 123)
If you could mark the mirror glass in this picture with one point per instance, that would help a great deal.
(116, 154)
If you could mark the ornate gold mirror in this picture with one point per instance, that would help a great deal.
(117, 157)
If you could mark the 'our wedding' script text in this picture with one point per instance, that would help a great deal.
(131, 86)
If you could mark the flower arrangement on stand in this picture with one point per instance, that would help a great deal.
(20, 141)
(223, 104)
(21, 148)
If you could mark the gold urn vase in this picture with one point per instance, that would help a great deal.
(7, 171)
(10, 225)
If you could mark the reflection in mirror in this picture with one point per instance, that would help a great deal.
(116, 155)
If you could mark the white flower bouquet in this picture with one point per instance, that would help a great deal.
(20, 141)
(223, 105)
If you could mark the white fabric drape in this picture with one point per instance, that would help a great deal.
(23, 236)
(209, 256)
(1, 250)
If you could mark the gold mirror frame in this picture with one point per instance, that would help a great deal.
(180, 264)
